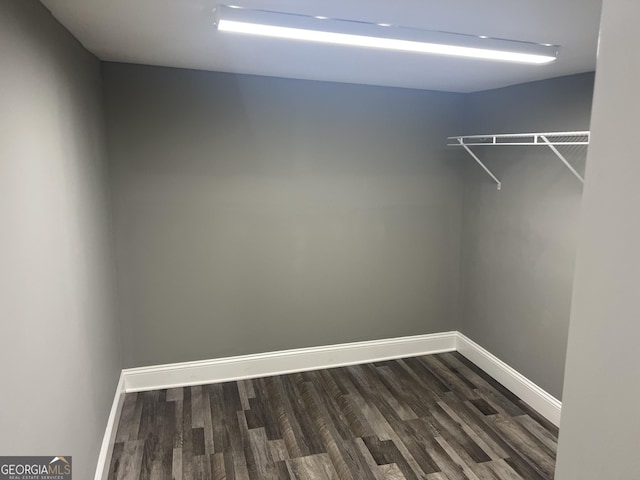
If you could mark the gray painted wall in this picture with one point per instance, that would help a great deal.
(60, 350)
(334, 208)
(600, 419)
(518, 244)
(256, 214)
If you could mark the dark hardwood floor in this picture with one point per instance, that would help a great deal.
(435, 417)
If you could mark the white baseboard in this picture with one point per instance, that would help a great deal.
(283, 362)
(102, 471)
(541, 401)
(315, 358)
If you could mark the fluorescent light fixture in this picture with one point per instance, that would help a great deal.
(359, 34)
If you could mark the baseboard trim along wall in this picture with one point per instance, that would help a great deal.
(315, 358)
(285, 361)
(108, 440)
(541, 401)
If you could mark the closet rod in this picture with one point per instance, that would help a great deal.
(521, 139)
(548, 139)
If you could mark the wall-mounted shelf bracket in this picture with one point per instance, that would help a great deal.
(561, 157)
(551, 140)
(486, 169)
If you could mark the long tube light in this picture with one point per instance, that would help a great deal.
(343, 32)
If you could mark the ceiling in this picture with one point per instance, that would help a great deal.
(180, 33)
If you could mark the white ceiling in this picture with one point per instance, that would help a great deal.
(180, 33)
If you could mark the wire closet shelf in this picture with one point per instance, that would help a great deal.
(552, 140)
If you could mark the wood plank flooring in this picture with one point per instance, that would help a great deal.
(435, 417)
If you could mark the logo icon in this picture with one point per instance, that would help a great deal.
(35, 468)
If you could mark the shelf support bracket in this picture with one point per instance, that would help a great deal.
(475, 157)
(561, 157)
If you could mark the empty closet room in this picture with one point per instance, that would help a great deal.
(232, 256)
